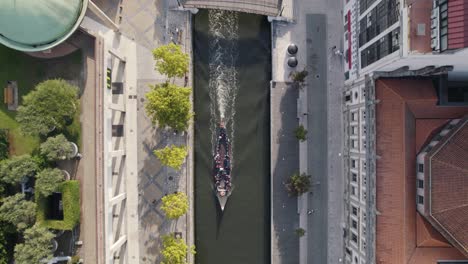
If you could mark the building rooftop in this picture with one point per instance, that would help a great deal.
(447, 190)
(40, 24)
(406, 116)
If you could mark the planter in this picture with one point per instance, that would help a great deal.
(66, 175)
(54, 245)
(75, 150)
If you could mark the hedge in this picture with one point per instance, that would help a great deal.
(71, 207)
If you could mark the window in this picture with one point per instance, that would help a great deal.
(354, 237)
(420, 199)
(353, 177)
(364, 165)
(420, 184)
(363, 216)
(353, 190)
(353, 164)
(420, 167)
(354, 224)
(354, 116)
(355, 210)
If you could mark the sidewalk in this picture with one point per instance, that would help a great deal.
(324, 122)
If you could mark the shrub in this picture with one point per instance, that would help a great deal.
(298, 184)
(172, 156)
(57, 148)
(48, 181)
(71, 207)
(301, 133)
(175, 205)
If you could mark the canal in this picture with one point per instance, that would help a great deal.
(232, 70)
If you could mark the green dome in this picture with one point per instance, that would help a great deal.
(33, 25)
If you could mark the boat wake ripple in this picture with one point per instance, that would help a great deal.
(223, 82)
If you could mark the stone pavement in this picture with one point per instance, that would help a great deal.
(284, 162)
(152, 23)
(329, 193)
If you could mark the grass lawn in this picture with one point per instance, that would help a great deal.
(28, 71)
(71, 207)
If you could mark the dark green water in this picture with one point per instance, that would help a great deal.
(240, 235)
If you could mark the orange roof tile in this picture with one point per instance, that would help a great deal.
(401, 104)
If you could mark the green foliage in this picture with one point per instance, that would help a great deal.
(57, 148)
(48, 181)
(299, 77)
(37, 246)
(298, 184)
(300, 232)
(50, 105)
(3, 248)
(169, 105)
(172, 156)
(71, 207)
(4, 146)
(74, 260)
(171, 60)
(15, 169)
(175, 250)
(18, 211)
(301, 133)
(175, 205)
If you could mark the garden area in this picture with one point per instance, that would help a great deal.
(39, 132)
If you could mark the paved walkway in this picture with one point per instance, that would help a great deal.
(153, 23)
(326, 81)
(86, 171)
(284, 162)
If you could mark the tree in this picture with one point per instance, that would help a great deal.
(3, 247)
(169, 105)
(3, 144)
(172, 156)
(175, 205)
(298, 184)
(300, 232)
(299, 76)
(18, 211)
(170, 60)
(37, 246)
(50, 105)
(48, 181)
(57, 148)
(301, 133)
(17, 168)
(175, 250)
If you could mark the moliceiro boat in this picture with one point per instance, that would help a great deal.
(222, 166)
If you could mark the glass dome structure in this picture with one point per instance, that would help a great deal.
(37, 25)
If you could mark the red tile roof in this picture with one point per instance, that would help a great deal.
(447, 207)
(402, 104)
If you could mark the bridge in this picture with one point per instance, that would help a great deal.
(261, 7)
